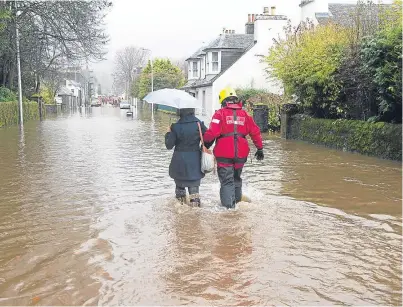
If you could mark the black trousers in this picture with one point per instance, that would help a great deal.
(231, 185)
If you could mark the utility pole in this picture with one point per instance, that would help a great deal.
(18, 65)
(152, 73)
(152, 80)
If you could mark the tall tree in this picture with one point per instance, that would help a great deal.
(165, 75)
(127, 61)
(52, 32)
(181, 63)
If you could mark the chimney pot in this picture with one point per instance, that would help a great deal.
(266, 10)
(253, 18)
(273, 10)
(249, 18)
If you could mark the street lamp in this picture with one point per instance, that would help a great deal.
(17, 38)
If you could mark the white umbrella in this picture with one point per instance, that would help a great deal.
(173, 98)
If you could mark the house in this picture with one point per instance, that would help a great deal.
(65, 97)
(70, 94)
(236, 59)
(322, 11)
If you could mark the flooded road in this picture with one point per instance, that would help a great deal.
(88, 216)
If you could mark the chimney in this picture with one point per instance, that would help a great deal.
(273, 10)
(249, 26)
(227, 31)
(266, 10)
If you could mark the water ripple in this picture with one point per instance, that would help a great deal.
(87, 216)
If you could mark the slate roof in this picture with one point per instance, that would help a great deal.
(305, 2)
(236, 42)
(199, 82)
(343, 14)
(209, 79)
(64, 91)
(197, 54)
(323, 18)
(231, 41)
(225, 41)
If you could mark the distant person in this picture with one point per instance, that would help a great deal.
(185, 166)
(229, 127)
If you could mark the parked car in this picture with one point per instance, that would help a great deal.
(124, 105)
(95, 103)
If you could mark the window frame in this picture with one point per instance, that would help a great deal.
(214, 62)
(195, 73)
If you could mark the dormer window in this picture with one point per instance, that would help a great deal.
(214, 61)
(195, 70)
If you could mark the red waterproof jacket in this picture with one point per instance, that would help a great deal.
(229, 127)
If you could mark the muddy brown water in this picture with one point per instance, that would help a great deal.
(87, 216)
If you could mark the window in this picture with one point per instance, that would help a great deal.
(195, 70)
(214, 61)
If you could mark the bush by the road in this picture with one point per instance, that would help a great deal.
(339, 71)
(380, 139)
(9, 114)
(7, 95)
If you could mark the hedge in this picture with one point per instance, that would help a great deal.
(380, 139)
(9, 114)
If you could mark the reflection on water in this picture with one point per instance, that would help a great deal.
(87, 216)
(347, 181)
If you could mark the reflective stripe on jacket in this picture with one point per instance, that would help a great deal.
(229, 128)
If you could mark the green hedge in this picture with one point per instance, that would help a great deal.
(380, 139)
(9, 112)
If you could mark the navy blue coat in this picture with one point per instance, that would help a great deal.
(186, 160)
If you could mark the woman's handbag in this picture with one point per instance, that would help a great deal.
(207, 157)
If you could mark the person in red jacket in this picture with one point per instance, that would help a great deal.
(229, 127)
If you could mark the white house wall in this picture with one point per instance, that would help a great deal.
(74, 89)
(249, 71)
(265, 31)
(317, 6)
(207, 110)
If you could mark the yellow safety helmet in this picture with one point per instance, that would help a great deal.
(226, 93)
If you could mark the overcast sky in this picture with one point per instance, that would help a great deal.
(176, 28)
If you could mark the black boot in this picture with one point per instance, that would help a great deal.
(180, 195)
(181, 199)
(194, 200)
(231, 205)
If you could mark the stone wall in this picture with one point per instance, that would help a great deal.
(52, 109)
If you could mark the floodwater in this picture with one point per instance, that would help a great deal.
(88, 217)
